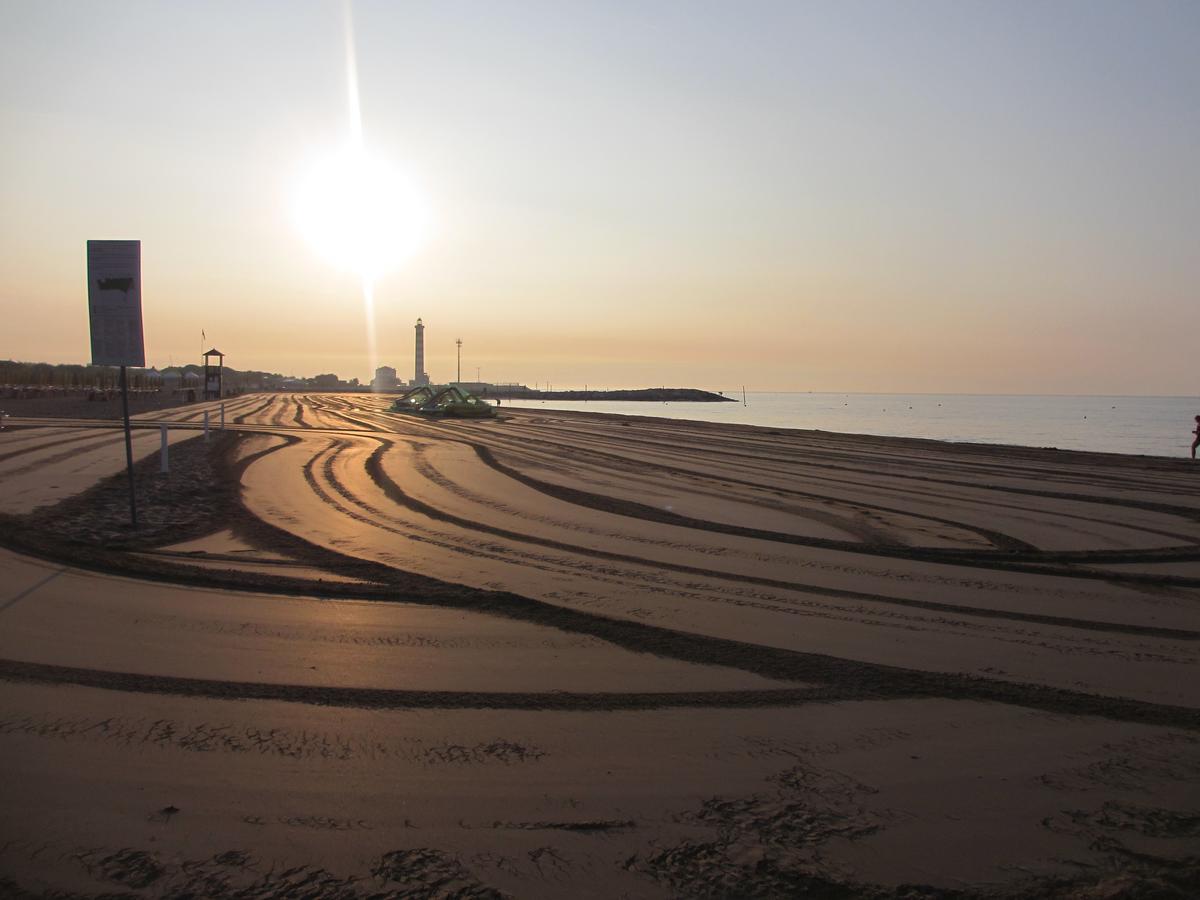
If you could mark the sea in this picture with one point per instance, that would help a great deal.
(1141, 426)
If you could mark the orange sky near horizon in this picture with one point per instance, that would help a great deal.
(839, 197)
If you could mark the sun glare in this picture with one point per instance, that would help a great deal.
(359, 213)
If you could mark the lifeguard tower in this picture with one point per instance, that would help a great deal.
(212, 374)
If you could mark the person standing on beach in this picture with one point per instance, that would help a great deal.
(1196, 439)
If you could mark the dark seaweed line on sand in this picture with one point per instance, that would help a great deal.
(1014, 563)
(859, 680)
(1014, 551)
(98, 440)
(65, 455)
(386, 698)
(1188, 513)
(394, 492)
(855, 682)
(868, 537)
(862, 679)
(238, 420)
(886, 448)
(1000, 540)
(1186, 550)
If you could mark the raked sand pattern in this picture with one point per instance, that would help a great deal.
(561, 654)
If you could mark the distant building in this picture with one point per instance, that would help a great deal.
(174, 380)
(384, 380)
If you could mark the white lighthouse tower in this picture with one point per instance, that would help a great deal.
(420, 377)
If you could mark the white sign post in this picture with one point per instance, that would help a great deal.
(115, 315)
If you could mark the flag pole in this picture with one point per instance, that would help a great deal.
(128, 446)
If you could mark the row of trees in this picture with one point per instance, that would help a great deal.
(70, 376)
(75, 377)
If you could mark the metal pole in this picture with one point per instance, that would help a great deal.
(222, 416)
(206, 426)
(128, 446)
(165, 467)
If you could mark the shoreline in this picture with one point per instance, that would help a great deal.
(900, 440)
(1151, 427)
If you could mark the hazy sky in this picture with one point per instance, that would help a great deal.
(904, 196)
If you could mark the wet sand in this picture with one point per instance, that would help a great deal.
(562, 654)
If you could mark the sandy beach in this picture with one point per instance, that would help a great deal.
(354, 653)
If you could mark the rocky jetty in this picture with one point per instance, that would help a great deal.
(661, 395)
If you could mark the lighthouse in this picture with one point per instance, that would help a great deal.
(419, 377)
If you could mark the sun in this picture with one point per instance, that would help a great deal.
(359, 213)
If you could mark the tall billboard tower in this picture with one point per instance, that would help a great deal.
(419, 377)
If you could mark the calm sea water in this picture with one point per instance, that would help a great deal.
(1156, 426)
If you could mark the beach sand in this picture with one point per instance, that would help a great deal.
(563, 654)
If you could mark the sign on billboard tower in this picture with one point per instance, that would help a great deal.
(115, 316)
(115, 302)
